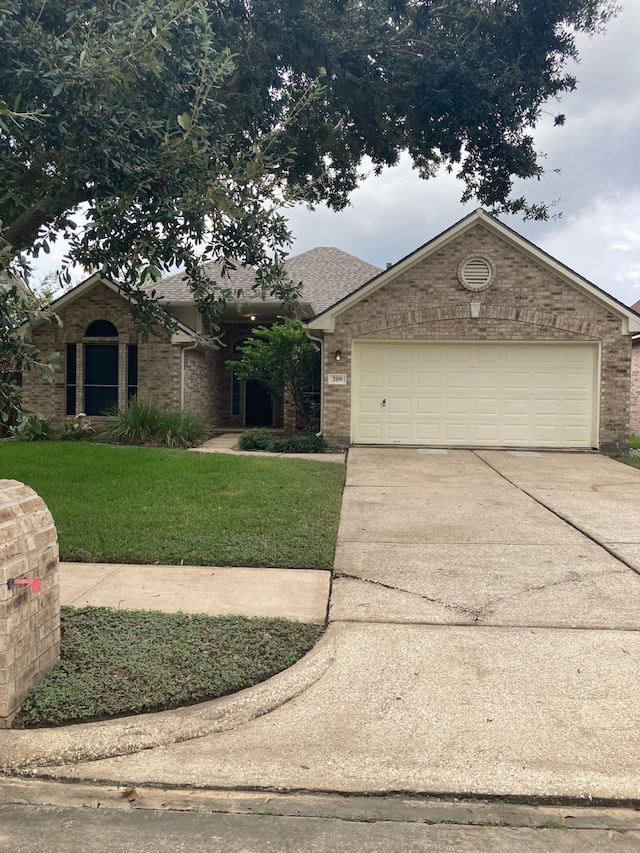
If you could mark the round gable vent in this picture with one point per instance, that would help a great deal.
(475, 273)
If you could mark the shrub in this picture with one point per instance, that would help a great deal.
(147, 423)
(255, 439)
(33, 428)
(634, 442)
(299, 444)
(72, 433)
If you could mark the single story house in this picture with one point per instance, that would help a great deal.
(478, 338)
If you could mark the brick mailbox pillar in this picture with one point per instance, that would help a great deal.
(29, 595)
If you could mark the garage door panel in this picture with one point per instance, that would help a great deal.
(487, 406)
(456, 379)
(487, 432)
(427, 381)
(457, 406)
(399, 405)
(370, 432)
(428, 433)
(399, 431)
(576, 408)
(370, 405)
(428, 406)
(370, 379)
(545, 406)
(399, 380)
(487, 380)
(519, 381)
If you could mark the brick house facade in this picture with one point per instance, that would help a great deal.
(476, 339)
(529, 298)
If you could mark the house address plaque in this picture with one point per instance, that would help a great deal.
(336, 378)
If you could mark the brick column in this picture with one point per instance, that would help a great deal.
(29, 621)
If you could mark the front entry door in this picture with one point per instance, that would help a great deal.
(258, 405)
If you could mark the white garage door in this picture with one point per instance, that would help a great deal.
(474, 394)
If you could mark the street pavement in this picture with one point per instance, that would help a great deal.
(482, 642)
(67, 818)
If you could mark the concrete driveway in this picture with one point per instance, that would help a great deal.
(479, 644)
(488, 538)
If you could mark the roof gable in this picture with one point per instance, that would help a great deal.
(183, 335)
(325, 321)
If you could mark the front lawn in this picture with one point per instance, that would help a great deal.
(116, 662)
(146, 505)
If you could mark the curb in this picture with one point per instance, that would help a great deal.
(24, 751)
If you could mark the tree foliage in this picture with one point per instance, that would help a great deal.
(181, 127)
(19, 307)
(283, 359)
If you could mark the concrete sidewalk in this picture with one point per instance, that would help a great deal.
(228, 443)
(479, 644)
(299, 594)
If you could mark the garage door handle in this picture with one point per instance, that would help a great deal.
(384, 402)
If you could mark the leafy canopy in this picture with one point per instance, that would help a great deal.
(182, 127)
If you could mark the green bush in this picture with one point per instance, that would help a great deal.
(34, 428)
(255, 439)
(72, 433)
(634, 442)
(299, 444)
(147, 423)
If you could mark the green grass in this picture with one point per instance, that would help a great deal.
(634, 461)
(148, 505)
(116, 662)
(634, 442)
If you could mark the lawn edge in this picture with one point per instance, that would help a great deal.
(25, 751)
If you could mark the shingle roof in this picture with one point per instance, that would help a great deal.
(327, 275)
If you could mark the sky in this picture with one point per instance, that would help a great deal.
(597, 188)
(597, 185)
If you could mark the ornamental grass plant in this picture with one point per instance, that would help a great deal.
(147, 423)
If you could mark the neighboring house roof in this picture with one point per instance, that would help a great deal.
(327, 275)
(326, 319)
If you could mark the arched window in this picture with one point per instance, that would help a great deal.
(101, 329)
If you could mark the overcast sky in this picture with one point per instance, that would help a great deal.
(598, 186)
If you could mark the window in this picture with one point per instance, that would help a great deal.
(132, 371)
(100, 377)
(101, 329)
(70, 379)
(100, 368)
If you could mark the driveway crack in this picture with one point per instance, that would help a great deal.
(483, 612)
(562, 517)
(448, 604)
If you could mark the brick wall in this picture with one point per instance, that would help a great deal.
(158, 358)
(635, 388)
(525, 302)
(29, 621)
(200, 388)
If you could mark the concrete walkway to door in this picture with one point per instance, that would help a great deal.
(479, 643)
